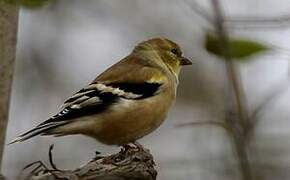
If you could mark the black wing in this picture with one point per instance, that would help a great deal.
(98, 97)
(145, 89)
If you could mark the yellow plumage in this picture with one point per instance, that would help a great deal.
(126, 102)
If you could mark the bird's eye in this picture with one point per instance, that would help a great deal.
(174, 51)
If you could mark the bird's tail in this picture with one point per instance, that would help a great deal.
(42, 129)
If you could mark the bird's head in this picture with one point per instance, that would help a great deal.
(163, 52)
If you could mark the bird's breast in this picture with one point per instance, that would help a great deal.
(130, 120)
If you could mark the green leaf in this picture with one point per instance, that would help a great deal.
(239, 48)
(28, 3)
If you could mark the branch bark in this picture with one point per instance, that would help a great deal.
(131, 163)
(8, 36)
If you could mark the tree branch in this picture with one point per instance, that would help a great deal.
(131, 163)
(8, 36)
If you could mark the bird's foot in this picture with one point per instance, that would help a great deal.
(138, 145)
(126, 147)
(134, 145)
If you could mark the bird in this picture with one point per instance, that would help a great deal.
(126, 102)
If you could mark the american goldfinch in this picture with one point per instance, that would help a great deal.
(126, 102)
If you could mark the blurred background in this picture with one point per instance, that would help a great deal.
(65, 44)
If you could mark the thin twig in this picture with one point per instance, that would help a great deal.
(213, 123)
(237, 128)
(272, 96)
(52, 164)
(259, 19)
(242, 22)
(232, 71)
(258, 22)
(40, 163)
(39, 168)
(267, 101)
(198, 9)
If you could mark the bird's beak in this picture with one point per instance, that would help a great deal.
(184, 61)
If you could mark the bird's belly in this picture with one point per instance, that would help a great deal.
(132, 122)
